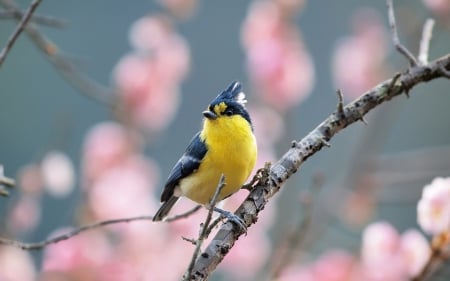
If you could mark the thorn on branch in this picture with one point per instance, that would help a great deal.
(340, 105)
(402, 49)
(424, 48)
(324, 142)
(257, 177)
(443, 71)
(362, 119)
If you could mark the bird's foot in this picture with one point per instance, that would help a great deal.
(233, 218)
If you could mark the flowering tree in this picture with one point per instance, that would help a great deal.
(117, 175)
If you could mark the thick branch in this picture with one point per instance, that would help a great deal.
(301, 150)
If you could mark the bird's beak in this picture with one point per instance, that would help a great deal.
(209, 114)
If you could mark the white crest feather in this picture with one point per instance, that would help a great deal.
(240, 98)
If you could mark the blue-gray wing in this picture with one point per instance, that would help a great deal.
(186, 165)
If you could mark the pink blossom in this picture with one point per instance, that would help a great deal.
(280, 68)
(30, 179)
(155, 38)
(81, 255)
(58, 173)
(106, 145)
(183, 9)
(334, 265)
(268, 125)
(358, 60)
(433, 209)
(150, 98)
(380, 253)
(415, 250)
(297, 273)
(148, 79)
(124, 190)
(16, 265)
(439, 7)
(25, 214)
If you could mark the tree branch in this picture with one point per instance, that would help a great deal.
(70, 234)
(402, 49)
(65, 67)
(20, 27)
(427, 33)
(275, 176)
(38, 19)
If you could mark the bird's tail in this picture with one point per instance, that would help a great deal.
(165, 208)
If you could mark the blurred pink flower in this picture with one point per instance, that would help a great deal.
(30, 179)
(106, 145)
(58, 173)
(441, 8)
(334, 265)
(16, 265)
(151, 103)
(280, 68)
(125, 189)
(148, 79)
(358, 60)
(24, 215)
(154, 38)
(415, 250)
(180, 8)
(268, 125)
(380, 253)
(433, 209)
(81, 255)
(297, 273)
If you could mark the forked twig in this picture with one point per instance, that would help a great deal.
(20, 27)
(402, 49)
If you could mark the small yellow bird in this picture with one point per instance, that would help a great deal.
(225, 145)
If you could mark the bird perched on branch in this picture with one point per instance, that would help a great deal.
(224, 146)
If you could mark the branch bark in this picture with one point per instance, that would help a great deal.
(275, 176)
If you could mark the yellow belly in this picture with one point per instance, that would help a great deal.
(231, 151)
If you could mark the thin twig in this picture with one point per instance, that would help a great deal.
(81, 82)
(424, 48)
(183, 215)
(12, 39)
(402, 49)
(38, 19)
(70, 234)
(204, 229)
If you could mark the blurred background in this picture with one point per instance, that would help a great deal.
(91, 127)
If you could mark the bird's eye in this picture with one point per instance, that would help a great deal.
(228, 112)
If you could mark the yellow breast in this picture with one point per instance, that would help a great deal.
(231, 150)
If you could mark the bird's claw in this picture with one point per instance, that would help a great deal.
(233, 218)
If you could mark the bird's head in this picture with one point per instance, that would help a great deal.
(228, 104)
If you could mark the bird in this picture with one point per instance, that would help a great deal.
(225, 146)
